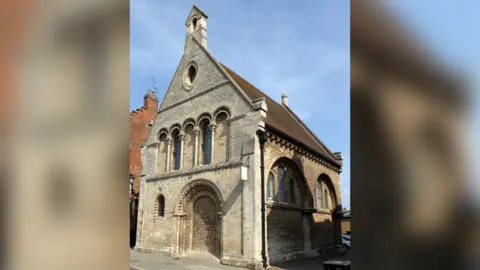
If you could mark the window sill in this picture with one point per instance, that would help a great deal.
(324, 211)
(283, 206)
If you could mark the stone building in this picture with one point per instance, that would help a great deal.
(202, 169)
(141, 121)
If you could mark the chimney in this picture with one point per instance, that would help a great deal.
(284, 99)
(150, 100)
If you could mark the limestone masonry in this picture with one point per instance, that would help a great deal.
(193, 195)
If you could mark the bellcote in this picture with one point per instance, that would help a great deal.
(196, 25)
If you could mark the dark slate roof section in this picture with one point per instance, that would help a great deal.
(281, 119)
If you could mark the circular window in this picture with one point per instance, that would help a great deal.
(190, 76)
(192, 73)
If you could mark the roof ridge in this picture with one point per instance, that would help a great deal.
(266, 96)
(310, 131)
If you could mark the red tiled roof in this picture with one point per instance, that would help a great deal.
(281, 119)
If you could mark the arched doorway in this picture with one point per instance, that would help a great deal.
(204, 225)
(199, 216)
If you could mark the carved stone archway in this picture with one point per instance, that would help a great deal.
(199, 215)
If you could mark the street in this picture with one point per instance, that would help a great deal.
(151, 261)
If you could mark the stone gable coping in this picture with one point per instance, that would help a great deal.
(195, 170)
(225, 73)
(301, 151)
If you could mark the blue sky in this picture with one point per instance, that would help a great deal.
(298, 47)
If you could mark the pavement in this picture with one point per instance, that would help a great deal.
(152, 261)
(160, 261)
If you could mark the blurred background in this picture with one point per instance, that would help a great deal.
(414, 104)
(66, 104)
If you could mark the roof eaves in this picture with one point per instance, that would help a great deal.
(322, 156)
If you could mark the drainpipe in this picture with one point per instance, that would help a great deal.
(262, 136)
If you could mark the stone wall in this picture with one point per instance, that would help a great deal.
(235, 143)
(322, 230)
(285, 233)
(320, 222)
(158, 232)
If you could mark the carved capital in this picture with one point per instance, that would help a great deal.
(196, 131)
(213, 126)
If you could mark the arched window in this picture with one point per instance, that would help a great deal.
(319, 195)
(325, 193)
(177, 150)
(270, 187)
(194, 22)
(291, 190)
(206, 142)
(281, 184)
(161, 206)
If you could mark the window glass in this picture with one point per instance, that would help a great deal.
(281, 184)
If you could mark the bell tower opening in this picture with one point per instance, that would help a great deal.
(196, 25)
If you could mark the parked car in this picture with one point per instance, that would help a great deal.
(346, 241)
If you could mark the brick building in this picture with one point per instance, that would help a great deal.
(141, 121)
(203, 165)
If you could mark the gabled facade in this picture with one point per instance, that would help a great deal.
(201, 178)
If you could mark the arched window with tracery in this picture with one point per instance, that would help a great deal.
(319, 194)
(281, 184)
(324, 193)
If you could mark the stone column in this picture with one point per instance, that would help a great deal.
(212, 153)
(196, 133)
(157, 152)
(220, 219)
(307, 240)
(140, 215)
(182, 137)
(169, 142)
